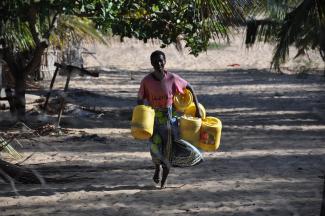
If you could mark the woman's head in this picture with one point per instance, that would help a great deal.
(158, 61)
(156, 54)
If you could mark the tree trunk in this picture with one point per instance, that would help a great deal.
(19, 98)
(20, 66)
(322, 43)
(10, 98)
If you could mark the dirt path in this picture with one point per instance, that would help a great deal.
(271, 160)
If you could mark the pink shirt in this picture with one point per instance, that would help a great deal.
(160, 94)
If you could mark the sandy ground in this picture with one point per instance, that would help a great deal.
(271, 160)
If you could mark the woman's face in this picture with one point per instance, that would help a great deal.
(158, 63)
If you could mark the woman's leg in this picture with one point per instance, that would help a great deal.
(164, 175)
(156, 155)
(162, 148)
(156, 176)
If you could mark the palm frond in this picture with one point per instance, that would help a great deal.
(213, 19)
(17, 35)
(5, 145)
(275, 9)
(263, 30)
(296, 28)
(265, 18)
(219, 15)
(76, 28)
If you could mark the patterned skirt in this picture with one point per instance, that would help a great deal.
(166, 148)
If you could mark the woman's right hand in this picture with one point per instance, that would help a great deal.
(198, 113)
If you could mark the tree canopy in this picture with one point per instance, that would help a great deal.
(196, 21)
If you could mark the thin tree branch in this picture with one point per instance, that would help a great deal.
(51, 26)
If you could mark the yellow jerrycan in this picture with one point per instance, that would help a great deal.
(191, 109)
(190, 129)
(210, 134)
(143, 118)
(182, 101)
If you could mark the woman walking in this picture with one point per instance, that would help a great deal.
(157, 89)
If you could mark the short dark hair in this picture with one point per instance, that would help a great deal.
(157, 53)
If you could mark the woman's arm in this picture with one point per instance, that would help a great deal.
(140, 101)
(196, 102)
(141, 94)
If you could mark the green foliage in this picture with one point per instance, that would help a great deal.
(196, 21)
(75, 28)
(215, 45)
(17, 35)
